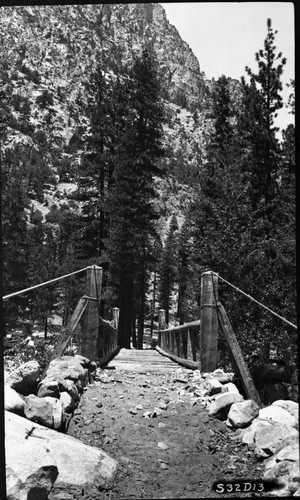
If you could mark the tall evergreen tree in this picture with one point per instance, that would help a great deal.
(264, 92)
(132, 212)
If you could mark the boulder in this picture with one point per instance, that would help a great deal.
(291, 406)
(219, 408)
(242, 414)
(289, 452)
(294, 477)
(77, 464)
(277, 414)
(249, 433)
(279, 473)
(268, 439)
(222, 376)
(85, 362)
(46, 411)
(69, 386)
(25, 378)
(229, 386)
(287, 442)
(36, 486)
(68, 367)
(68, 404)
(213, 386)
(48, 387)
(13, 401)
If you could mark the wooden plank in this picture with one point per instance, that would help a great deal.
(192, 365)
(237, 354)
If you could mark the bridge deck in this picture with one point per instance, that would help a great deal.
(141, 361)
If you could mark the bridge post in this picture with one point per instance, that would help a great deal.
(209, 322)
(161, 326)
(116, 313)
(90, 320)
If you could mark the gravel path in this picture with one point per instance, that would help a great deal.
(154, 425)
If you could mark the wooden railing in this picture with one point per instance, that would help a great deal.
(98, 336)
(195, 345)
(181, 343)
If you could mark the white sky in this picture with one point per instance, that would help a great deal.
(225, 36)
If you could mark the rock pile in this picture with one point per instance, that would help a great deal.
(271, 432)
(51, 401)
(36, 454)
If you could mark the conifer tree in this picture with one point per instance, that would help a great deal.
(265, 101)
(132, 212)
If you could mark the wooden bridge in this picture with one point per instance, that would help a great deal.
(192, 345)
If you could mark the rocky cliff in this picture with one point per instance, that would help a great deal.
(47, 56)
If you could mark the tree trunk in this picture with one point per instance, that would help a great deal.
(153, 306)
(46, 328)
(141, 315)
(126, 308)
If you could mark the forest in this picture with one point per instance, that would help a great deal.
(235, 180)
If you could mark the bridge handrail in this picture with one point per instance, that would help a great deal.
(256, 301)
(43, 284)
(185, 326)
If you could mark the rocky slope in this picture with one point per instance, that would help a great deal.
(48, 54)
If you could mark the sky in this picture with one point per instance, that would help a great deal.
(224, 36)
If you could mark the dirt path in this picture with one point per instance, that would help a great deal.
(153, 424)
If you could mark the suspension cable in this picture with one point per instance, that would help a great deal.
(42, 284)
(256, 301)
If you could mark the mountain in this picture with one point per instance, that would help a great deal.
(47, 57)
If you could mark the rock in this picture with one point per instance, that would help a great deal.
(13, 401)
(219, 408)
(197, 377)
(36, 484)
(161, 425)
(287, 442)
(68, 404)
(68, 367)
(229, 387)
(249, 433)
(242, 414)
(291, 406)
(213, 386)
(69, 386)
(277, 414)
(294, 477)
(25, 378)
(269, 438)
(222, 376)
(46, 411)
(279, 472)
(290, 453)
(85, 362)
(77, 463)
(162, 445)
(48, 387)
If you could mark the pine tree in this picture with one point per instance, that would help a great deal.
(132, 212)
(266, 101)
